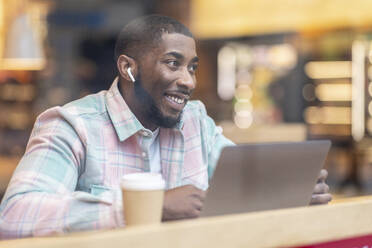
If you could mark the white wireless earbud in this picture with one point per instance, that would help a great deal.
(130, 74)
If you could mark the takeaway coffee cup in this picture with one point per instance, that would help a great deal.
(143, 195)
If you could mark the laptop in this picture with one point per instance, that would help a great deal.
(265, 176)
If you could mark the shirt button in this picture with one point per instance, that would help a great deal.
(144, 133)
(144, 154)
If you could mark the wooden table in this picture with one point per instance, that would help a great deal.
(297, 227)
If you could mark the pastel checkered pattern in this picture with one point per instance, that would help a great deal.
(68, 179)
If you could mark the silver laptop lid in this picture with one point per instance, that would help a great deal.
(255, 177)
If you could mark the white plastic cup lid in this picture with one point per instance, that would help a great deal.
(143, 181)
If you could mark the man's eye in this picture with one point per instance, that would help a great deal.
(173, 63)
(193, 67)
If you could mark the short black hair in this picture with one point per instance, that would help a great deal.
(145, 32)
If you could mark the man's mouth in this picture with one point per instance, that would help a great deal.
(176, 100)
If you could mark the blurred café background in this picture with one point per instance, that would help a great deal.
(271, 70)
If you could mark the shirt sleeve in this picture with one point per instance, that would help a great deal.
(216, 141)
(41, 197)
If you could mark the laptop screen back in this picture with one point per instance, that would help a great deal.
(256, 177)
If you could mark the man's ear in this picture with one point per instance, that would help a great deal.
(123, 63)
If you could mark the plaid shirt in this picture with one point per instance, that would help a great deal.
(68, 179)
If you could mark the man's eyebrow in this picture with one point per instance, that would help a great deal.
(175, 54)
(178, 55)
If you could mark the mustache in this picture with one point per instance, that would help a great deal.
(181, 92)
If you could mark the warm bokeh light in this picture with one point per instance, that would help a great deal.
(243, 119)
(328, 115)
(226, 73)
(243, 92)
(313, 115)
(333, 92)
(23, 33)
(242, 17)
(243, 105)
(22, 64)
(359, 54)
(244, 55)
(328, 69)
(283, 56)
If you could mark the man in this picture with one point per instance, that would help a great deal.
(68, 178)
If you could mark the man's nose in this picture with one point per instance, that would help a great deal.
(186, 80)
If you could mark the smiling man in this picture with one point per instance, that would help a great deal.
(68, 179)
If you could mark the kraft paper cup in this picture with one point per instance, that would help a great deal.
(143, 195)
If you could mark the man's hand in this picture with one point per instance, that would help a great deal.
(183, 202)
(321, 193)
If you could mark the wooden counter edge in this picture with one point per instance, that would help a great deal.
(279, 228)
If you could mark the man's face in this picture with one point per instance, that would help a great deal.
(166, 79)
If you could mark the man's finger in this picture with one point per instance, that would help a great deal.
(199, 194)
(323, 174)
(320, 199)
(198, 205)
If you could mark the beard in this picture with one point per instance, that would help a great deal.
(151, 111)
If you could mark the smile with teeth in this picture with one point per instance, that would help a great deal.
(176, 99)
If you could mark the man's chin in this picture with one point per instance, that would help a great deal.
(169, 121)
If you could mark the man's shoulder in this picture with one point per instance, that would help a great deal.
(87, 113)
(93, 104)
(86, 109)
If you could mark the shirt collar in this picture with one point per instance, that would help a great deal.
(124, 121)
